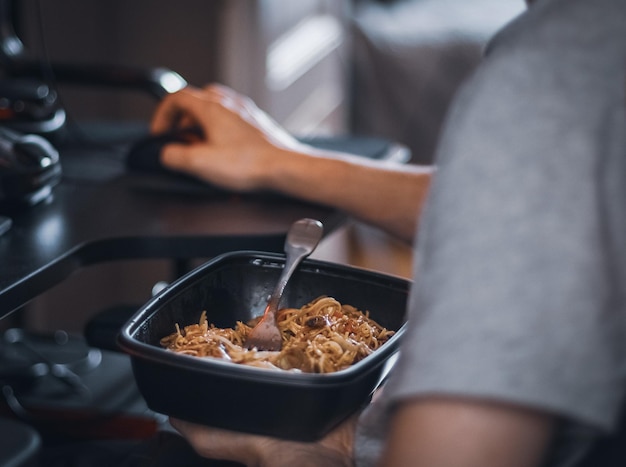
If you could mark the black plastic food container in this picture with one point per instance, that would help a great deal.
(235, 286)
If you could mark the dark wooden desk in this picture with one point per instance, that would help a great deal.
(101, 213)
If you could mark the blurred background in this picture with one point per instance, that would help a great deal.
(319, 67)
(384, 68)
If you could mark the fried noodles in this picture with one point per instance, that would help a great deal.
(323, 336)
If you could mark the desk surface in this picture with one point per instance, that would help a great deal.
(99, 213)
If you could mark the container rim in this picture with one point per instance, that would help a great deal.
(216, 366)
(145, 351)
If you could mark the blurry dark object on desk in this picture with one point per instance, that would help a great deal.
(29, 169)
(5, 224)
(17, 64)
(46, 378)
(30, 106)
(19, 444)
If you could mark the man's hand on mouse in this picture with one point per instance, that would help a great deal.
(241, 142)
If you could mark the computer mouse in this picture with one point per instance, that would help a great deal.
(144, 155)
(29, 167)
(148, 174)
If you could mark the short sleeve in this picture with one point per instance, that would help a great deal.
(520, 274)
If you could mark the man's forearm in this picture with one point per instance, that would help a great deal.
(388, 195)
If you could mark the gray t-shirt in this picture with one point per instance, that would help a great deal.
(520, 277)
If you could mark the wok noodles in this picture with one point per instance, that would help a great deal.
(323, 336)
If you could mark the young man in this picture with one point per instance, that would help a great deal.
(516, 352)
